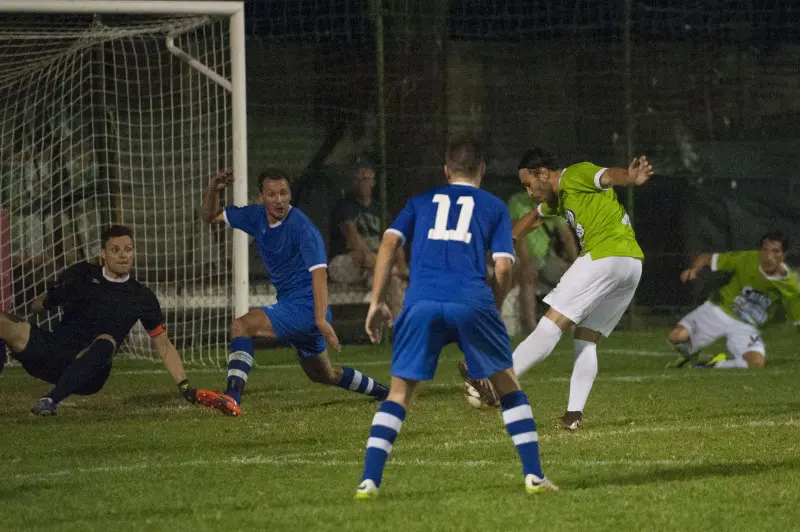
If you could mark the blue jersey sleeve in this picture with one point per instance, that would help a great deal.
(239, 218)
(312, 249)
(403, 225)
(502, 243)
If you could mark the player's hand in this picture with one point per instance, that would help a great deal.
(221, 180)
(639, 171)
(188, 393)
(690, 274)
(330, 335)
(377, 316)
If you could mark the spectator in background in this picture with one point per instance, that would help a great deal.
(542, 257)
(355, 235)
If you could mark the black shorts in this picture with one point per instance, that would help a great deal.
(47, 358)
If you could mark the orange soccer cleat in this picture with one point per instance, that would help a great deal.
(219, 401)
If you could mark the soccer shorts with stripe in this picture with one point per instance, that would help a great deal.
(425, 327)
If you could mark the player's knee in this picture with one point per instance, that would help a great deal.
(678, 335)
(107, 338)
(238, 328)
(755, 360)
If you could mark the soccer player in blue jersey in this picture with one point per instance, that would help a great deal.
(293, 253)
(451, 228)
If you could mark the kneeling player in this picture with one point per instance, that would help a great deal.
(293, 253)
(100, 304)
(740, 308)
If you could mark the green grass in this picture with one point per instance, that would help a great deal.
(660, 449)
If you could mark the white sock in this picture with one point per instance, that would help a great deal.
(536, 346)
(583, 373)
(732, 363)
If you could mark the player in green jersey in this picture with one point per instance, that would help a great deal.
(741, 308)
(595, 291)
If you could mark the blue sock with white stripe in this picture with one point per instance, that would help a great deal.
(239, 363)
(385, 427)
(356, 381)
(518, 417)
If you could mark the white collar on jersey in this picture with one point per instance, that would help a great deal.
(464, 184)
(775, 277)
(112, 279)
(276, 224)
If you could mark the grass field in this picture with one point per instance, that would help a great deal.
(660, 450)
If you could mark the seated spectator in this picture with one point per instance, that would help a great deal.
(542, 257)
(355, 235)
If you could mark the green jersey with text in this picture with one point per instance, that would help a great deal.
(751, 296)
(601, 223)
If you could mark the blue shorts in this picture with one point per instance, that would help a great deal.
(424, 328)
(294, 322)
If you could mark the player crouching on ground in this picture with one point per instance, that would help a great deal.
(740, 308)
(100, 305)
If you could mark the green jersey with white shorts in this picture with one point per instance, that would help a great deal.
(601, 223)
(751, 295)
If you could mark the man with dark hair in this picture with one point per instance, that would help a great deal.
(100, 305)
(292, 251)
(740, 308)
(355, 235)
(448, 301)
(596, 289)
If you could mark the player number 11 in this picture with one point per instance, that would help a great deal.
(461, 232)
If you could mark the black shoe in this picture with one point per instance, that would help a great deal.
(571, 420)
(45, 407)
(486, 392)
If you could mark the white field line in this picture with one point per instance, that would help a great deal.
(324, 458)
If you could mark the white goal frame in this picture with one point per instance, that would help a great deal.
(236, 86)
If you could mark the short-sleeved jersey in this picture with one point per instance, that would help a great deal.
(94, 304)
(366, 218)
(539, 241)
(451, 228)
(751, 296)
(290, 249)
(601, 223)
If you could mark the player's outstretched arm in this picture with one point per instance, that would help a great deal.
(319, 285)
(637, 173)
(172, 361)
(700, 261)
(211, 211)
(379, 314)
(525, 225)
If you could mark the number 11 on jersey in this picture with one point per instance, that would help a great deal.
(461, 232)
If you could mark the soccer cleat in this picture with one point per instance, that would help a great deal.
(571, 420)
(366, 491)
(534, 484)
(719, 357)
(483, 387)
(219, 401)
(45, 407)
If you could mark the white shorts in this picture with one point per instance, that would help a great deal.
(707, 323)
(595, 293)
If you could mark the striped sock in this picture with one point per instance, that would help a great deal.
(385, 426)
(239, 363)
(518, 417)
(356, 381)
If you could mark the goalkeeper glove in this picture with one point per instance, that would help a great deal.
(188, 393)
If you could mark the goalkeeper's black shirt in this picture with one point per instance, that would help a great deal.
(94, 305)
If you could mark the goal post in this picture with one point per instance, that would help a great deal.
(160, 87)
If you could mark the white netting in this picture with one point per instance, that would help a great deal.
(101, 124)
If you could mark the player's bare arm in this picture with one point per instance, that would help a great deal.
(379, 314)
(172, 361)
(502, 280)
(525, 225)
(570, 243)
(357, 244)
(637, 173)
(699, 262)
(211, 211)
(319, 283)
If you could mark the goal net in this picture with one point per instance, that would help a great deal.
(118, 119)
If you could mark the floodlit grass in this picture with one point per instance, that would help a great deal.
(660, 449)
